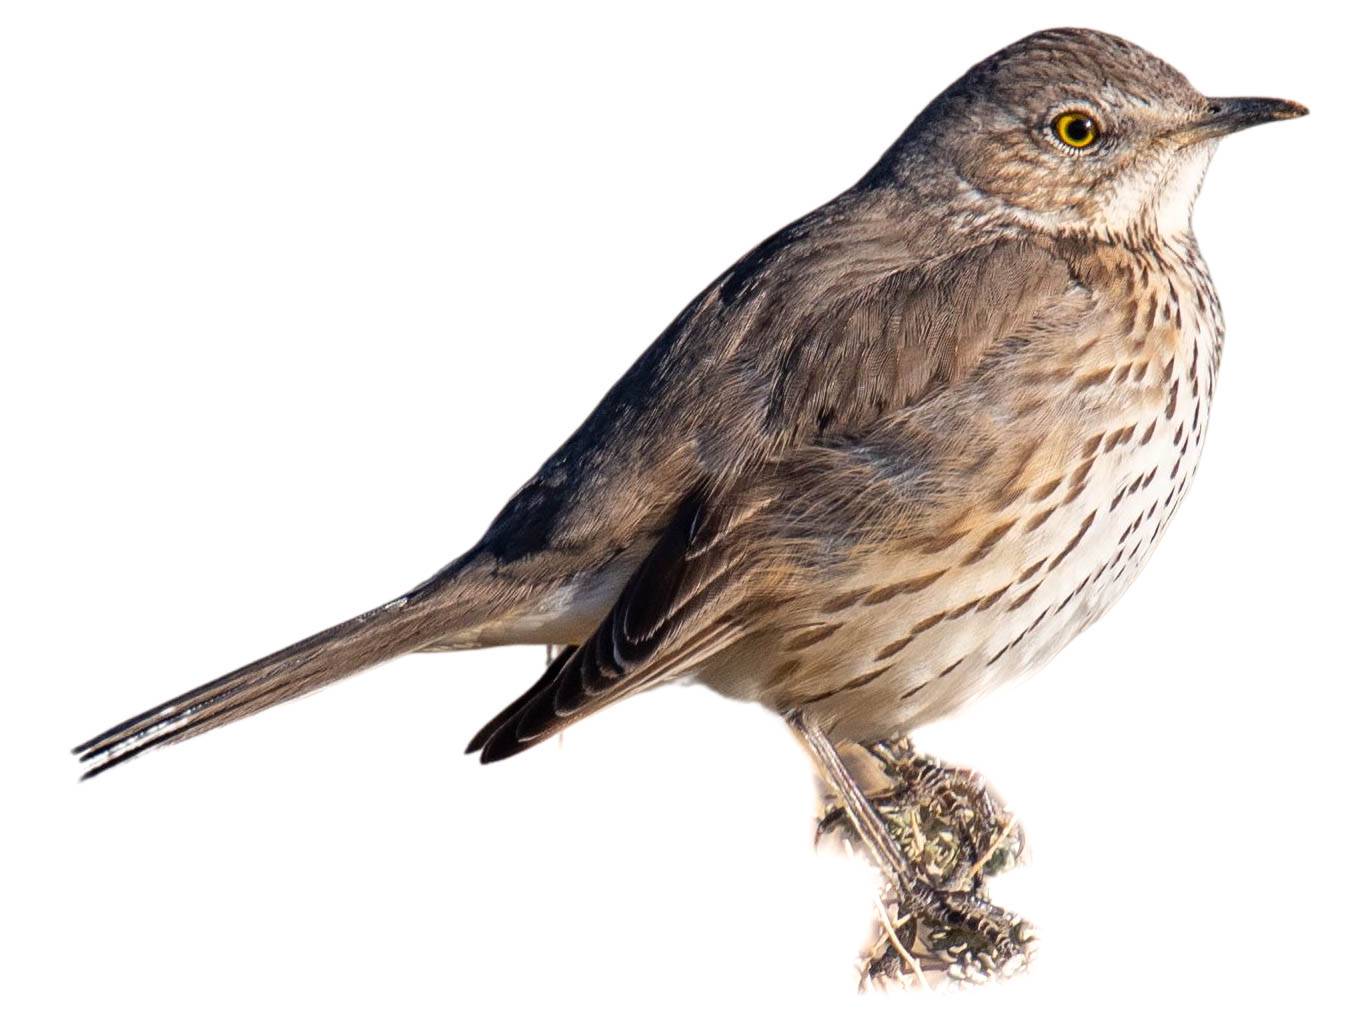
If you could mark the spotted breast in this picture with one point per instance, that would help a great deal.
(1073, 454)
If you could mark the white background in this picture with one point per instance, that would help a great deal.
(294, 295)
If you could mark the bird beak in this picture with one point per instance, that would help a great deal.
(1227, 114)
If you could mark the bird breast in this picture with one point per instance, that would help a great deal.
(1076, 494)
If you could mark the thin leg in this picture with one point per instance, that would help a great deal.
(888, 856)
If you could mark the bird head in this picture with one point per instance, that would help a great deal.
(1074, 132)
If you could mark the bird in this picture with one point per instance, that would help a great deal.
(902, 451)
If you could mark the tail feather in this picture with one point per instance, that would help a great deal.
(399, 627)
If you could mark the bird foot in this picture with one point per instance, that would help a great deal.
(964, 940)
(956, 833)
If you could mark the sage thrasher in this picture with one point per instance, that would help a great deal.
(900, 452)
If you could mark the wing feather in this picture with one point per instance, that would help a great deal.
(667, 619)
(832, 381)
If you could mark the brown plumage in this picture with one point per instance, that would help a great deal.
(904, 449)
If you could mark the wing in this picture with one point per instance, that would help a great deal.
(737, 546)
(816, 334)
(678, 608)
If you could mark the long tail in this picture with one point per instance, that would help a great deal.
(388, 631)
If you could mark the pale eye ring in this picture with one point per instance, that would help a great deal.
(1076, 129)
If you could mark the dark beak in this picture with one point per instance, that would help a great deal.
(1227, 114)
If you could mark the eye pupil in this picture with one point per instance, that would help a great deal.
(1075, 129)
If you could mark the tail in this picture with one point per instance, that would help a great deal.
(398, 627)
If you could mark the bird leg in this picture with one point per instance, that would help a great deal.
(935, 832)
(870, 829)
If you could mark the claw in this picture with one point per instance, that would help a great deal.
(956, 833)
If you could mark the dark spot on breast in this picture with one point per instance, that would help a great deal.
(1098, 377)
(960, 611)
(1118, 437)
(864, 679)
(917, 629)
(1040, 519)
(1081, 473)
(992, 598)
(843, 601)
(1017, 641)
(909, 587)
(999, 655)
(936, 545)
(988, 542)
(856, 682)
(1022, 599)
(951, 669)
(1045, 491)
(1069, 548)
(1152, 311)
(811, 637)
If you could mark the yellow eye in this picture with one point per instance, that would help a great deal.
(1075, 129)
